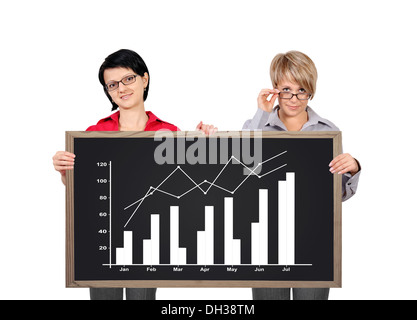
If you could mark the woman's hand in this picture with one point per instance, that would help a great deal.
(263, 102)
(63, 161)
(344, 163)
(207, 129)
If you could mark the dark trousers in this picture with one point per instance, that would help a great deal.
(117, 294)
(284, 294)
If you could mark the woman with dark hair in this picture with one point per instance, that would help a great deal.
(125, 80)
(129, 60)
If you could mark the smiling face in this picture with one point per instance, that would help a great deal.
(291, 108)
(126, 96)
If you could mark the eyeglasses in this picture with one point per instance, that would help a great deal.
(289, 95)
(113, 85)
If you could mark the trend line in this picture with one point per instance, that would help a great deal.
(151, 189)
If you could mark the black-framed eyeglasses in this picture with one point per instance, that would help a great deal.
(113, 85)
(289, 95)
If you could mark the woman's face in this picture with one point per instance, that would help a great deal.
(126, 96)
(291, 107)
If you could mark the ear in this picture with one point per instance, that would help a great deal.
(145, 79)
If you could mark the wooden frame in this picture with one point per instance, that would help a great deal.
(337, 264)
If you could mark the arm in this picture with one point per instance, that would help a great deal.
(62, 162)
(257, 122)
(349, 185)
(350, 168)
(265, 107)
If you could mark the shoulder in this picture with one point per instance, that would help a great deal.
(331, 125)
(325, 124)
(110, 123)
(155, 124)
(258, 121)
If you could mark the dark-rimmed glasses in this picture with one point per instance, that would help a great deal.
(289, 95)
(113, 85)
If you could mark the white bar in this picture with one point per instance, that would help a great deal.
(209, 235)
(155, 238)
(174, 238)
(201, 247)
(236, 252)
(255, 243)
(263, 226)
(290, 218)
(124, 256)
(128, 248)
(120, 256)
(147, 252)
(182, 256)
(282, 222)
(178, 255)
(228, 231)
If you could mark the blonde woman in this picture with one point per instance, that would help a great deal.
(294, 77)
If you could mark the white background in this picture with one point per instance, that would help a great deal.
(208, 60)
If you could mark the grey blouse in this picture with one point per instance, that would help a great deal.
(271, 122)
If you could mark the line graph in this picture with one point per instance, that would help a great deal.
(152, 189)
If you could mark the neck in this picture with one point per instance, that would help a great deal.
(294, 123)
(133, 119)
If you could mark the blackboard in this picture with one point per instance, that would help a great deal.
(236, 209)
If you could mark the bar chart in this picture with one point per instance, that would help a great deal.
(232, 246)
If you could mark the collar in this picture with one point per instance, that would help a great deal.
(115, 117)
(313, 119)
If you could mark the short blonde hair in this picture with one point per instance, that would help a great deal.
(294, 66)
